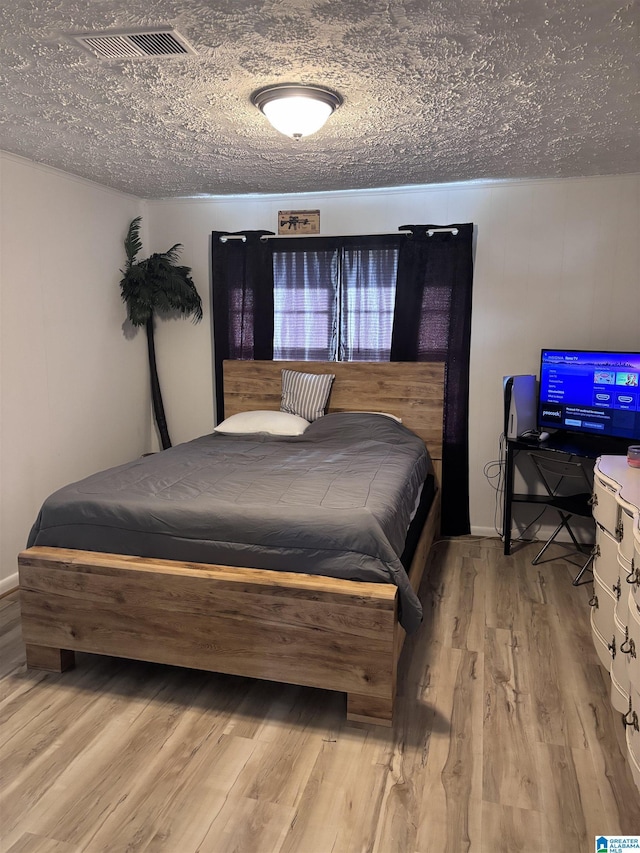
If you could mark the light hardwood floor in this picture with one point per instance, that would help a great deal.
(504, 739)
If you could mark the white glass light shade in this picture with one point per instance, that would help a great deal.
(296, 110)
(297, 116)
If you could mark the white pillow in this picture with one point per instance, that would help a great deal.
(305, 394)
(274, 423)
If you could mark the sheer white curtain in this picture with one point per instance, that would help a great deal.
(305, 307)
(368, 295)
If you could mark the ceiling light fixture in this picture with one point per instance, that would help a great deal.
(294, 109)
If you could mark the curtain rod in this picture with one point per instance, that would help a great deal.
(430, 232)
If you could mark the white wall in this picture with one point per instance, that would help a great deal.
(74, 389)
(556, 265)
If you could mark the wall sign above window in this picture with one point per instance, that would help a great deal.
(298, 222)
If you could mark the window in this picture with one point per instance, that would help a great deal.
(334, 303)
(304, 305)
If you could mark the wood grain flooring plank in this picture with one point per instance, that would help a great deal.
(597, 817)
(364, 792)
(178, 813)
(399, 806)
(247, 826)
(9, 613)
(513, 584)
(11, 657)
(33, 764)
(169, 779)
(262, 709)
(550, 719)
(268, 707)
(417, 663)
(277, 771)
(562, 807)
(573, 603)
(8, 602)
(450, 812)
(108, 765)
(30, 843)
(40, 696)
(333, 793)
(65, 713)
(510, 772)
(293, 727)
(18, 683)
(455, 598)
(419, 717)
(512, 830)
(183, 821)
(572, 680)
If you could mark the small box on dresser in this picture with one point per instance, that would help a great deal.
(615, 613)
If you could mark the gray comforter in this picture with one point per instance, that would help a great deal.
(335, 501)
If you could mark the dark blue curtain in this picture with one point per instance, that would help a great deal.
(242, 301)
(432, 322)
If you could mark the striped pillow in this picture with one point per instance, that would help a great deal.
(305, 394)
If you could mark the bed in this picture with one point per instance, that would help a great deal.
(282, 625)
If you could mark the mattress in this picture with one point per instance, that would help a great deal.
(335, 501)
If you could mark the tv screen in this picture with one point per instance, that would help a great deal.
(597, 393)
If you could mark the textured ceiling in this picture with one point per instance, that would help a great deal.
(434, 91)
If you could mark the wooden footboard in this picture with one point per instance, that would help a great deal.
(302, 629)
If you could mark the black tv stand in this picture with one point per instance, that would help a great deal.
(570, 444)
(582, 444)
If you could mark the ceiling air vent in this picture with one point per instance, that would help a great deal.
(121, 44)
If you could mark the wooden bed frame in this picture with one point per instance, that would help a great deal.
(282, 626)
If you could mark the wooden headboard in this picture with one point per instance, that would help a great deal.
(414, 391)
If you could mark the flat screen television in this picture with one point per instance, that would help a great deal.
(590, 392)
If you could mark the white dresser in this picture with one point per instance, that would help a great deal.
(615, 605)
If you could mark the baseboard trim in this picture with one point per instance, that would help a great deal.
(485, 532)
(538, 534)
(9, 584)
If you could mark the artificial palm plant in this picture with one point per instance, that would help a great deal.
(157, 285)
